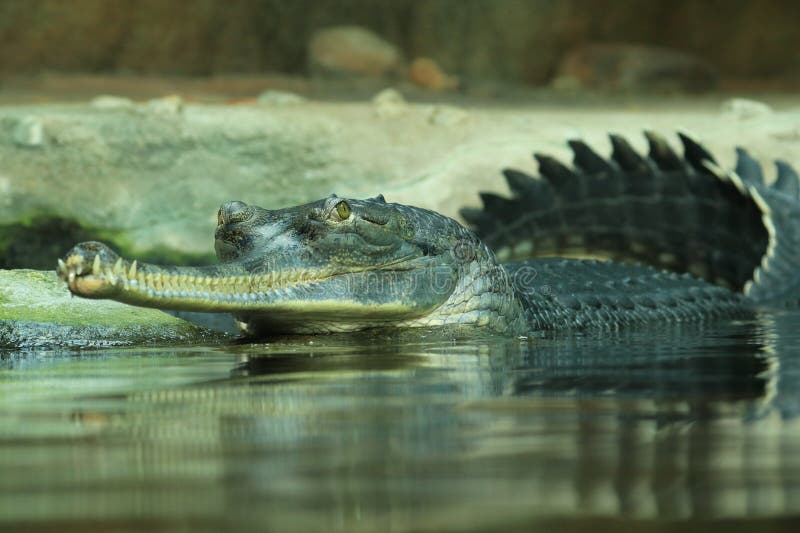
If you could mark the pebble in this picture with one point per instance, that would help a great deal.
(29, 132)
(272, 97)
(106, 101)
(445, 115)
(389, 103)
(426, 73)
(352, 50)
(745, 109)
(167, 105)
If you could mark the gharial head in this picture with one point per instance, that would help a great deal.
(331, 265)
(338, 263)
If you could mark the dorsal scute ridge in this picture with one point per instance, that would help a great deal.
(748, 168)
(661, 154)
(726, 176)
(694, 153)
(768, 221)
(787, 181)
(751, 191)
(553, 170)
(519, 183)
(493, 202)
(625, 156)
(587, 160)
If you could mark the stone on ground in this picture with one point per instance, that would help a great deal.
(352, 50)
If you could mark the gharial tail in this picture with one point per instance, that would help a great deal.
(683, 214)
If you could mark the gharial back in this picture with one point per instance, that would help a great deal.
(558, 294)
(679, 213)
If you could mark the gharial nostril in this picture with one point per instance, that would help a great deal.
(234, 211)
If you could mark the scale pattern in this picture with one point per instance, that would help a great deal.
(579, 293)
(679, 213)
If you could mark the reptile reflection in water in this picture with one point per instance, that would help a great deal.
(370, 431)
(343, 265)
(643, 362)
(645, 423)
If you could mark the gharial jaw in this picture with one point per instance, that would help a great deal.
(92, 270)
(288, 301)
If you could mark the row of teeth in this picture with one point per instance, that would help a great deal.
(226, 289)
(209, 296)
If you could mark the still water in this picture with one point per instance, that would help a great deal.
(384, 433)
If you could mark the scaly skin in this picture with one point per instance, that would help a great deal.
(343, 265)
(318, 268)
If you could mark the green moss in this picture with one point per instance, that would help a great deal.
(36, 241)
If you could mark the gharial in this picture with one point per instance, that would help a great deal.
(717, 243)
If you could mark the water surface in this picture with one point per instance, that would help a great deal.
(377, 432)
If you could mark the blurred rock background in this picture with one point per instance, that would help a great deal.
(521, 41)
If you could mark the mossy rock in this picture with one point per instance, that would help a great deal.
(37, 311)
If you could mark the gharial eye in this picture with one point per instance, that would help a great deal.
(343, 210)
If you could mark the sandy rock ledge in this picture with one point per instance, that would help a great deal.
(37, 311)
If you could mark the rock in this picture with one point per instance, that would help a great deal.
(633, 68)
(389, 103)
(445, 115)
(272, 97)
(37, 311)
(426, 73)
(744, 109)
(167, 105)
(105, 101)
(29, 132)
(352, 50)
